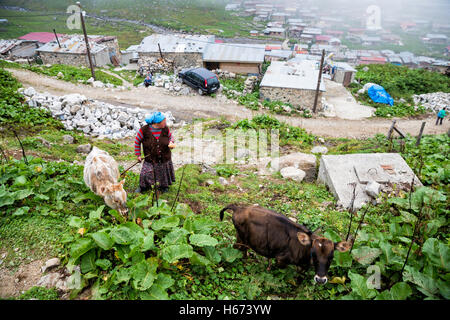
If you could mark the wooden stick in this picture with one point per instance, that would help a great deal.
(351, 210)
(359, 226)
(420, 134)
(390, 129)
(179, 187)
(21, 145)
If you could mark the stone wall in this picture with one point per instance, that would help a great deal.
(180, 59)
(75, 59)
(303, 99)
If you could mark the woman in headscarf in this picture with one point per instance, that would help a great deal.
(157, 142)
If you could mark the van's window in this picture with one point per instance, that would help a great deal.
(212, 80)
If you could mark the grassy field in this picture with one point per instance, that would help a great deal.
(187, 253)
(20, 23)
(191, 16)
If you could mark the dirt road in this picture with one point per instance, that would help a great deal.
(189, 107)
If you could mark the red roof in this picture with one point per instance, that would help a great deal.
(42, 37)
(380, 59)
(270, 48)
(218, 41)
(323, 38)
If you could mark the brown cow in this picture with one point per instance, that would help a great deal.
(273, 235)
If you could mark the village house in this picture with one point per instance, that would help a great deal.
(40, 37)
(323, 39)
(280, 17)
(432, 38)
(370, 40)
(275, 32)
(316, 49)
(408, 59)
(306, 38)
(184, 50)
(312, 31)
(17, 49)
(249, 12)
(278, 55)
(233, 57)
(372, 60)
(73, 51)
(104, 50)
(292, 82)
(254, 33)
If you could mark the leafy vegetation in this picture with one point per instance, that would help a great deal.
(288, 134)
(13, 110)
(401, 83)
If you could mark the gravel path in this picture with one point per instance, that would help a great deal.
(190, 107)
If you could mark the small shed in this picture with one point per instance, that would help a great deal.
(13, 48)
(292, 82)
(342, 72)
(234, 57)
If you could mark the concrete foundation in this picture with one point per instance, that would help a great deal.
(341, 172)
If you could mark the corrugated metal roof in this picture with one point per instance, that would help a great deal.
(74, 44)
(280, 53)
(295, 75)
(223, 52)
(175, 43)
(6, 45)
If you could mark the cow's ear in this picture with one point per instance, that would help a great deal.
(342, 246)
(303, 238)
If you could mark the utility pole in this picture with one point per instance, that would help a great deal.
(318, 81)
(86, 40)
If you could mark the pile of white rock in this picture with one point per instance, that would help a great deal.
(432, 101)
(224, 74)
(93, 117)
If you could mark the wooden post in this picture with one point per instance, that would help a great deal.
(87, 42)
(318, 81)
(391, 129)
(160, 53)
(56, 36)
(420, 134)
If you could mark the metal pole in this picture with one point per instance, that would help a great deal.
(86, 40)
(318, 81)
(56, 36)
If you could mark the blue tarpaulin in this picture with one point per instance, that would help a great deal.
(378, 94)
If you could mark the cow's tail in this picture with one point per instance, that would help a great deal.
(229, 207)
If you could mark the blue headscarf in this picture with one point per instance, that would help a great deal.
(156, 117)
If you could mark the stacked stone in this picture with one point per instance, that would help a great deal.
(224, 74)
(432, 101)
(153, 64)
(93, 117)
(250, 84)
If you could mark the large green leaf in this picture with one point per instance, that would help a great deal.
(148, 241)
(80, 247)
(200, 260)
(176, 252)
(75, 222)
(21, 211)
(88, 261)
(122, 235)
(103, 240)
(22, 194)
(20, 181)
(212, 254)
(438, 253)
(231, 254)
(359, 286)
(96, 214)
(123, 275)
(365, 255)
(343, 259)
(167, 223)
(158, 291)
(144, 274)
(202, 240)
(400, 291)
(425, 283)
(105, 264)
(177, 236)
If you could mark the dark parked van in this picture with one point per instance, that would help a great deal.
(201, 79)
